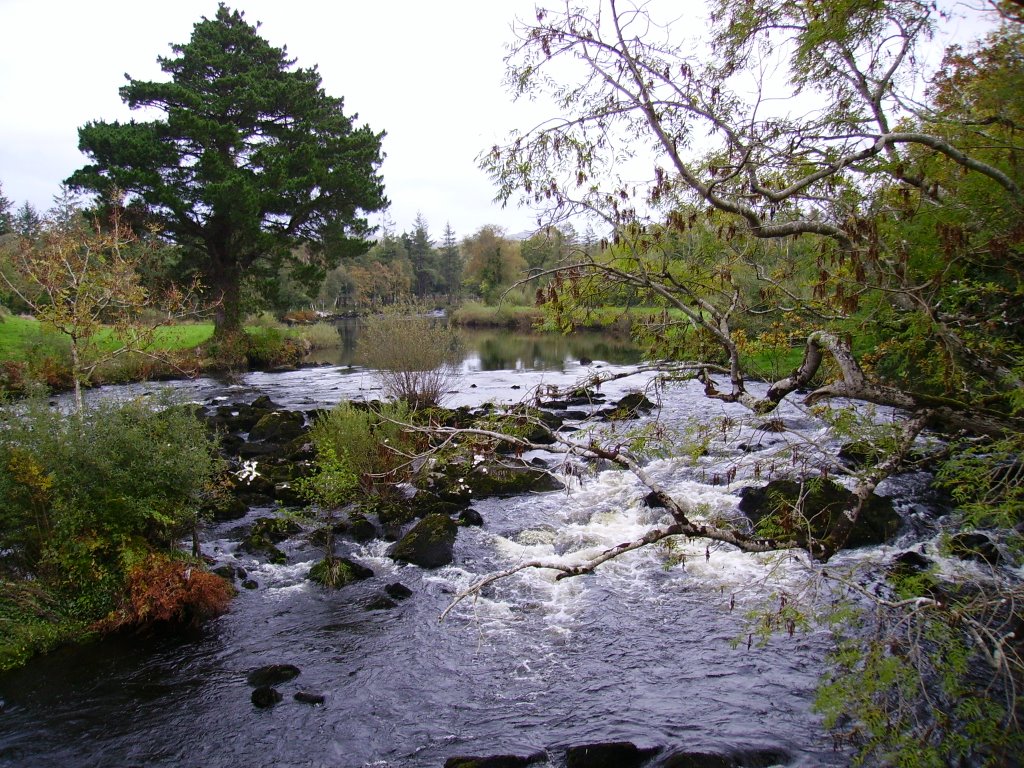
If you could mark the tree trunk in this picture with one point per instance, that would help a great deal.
(227, 315)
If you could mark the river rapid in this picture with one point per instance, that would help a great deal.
(640, 651)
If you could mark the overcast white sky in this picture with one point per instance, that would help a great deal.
(429, 72)
(426, 71)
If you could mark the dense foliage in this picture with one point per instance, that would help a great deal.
(801, 176)
(88, 500)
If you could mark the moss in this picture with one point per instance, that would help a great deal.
(31, 623)
(429, 544)
(338, 572)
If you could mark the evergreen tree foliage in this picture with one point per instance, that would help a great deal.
(250, 159)
(6, 216)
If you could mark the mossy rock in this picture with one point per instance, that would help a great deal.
(338, 572)
(275, 529)
(326, 532)
(532, 424)
(278, 427)
(771, 509)
(265, 533)
(225, 506)
(490, 481)
(631, 406)
(234, 418)
(361, 529)
(461, 484)
(977, 546)
(392, 513)
(425, 503)
(430, 543)
(249, 482)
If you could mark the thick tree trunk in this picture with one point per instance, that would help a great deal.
(227, 315)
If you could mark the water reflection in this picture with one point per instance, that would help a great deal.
(503, 349)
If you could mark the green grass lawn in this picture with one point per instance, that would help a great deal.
(23, 338)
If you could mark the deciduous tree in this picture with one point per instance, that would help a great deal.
(79, 278)
(793, 165)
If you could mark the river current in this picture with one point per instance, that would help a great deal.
(640, 651)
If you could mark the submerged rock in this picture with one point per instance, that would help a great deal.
(697, 760)
(772, 509)
(398, 591)
(381, 603)
(616, 754)
(429, 544)
(307, 697)
(746, 758)
(494, 761)
(272, 674)
(265, 696)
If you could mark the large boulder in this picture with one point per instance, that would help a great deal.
(772, 509)
(462, 484)
(429, 544)
(279, 427)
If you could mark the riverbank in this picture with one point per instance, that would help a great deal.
(31, 354)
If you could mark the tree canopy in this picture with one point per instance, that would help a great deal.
(250, 160)
(809, 175)
(899, 215)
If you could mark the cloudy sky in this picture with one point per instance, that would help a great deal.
(428, 73)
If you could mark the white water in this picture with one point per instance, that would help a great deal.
(641, 650)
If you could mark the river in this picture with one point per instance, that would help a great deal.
(641, 651)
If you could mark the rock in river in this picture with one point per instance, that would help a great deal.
(272, 674)
(772, 510)
(429, 544)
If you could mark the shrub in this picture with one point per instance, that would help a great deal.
(358, 452)
(31, 623)
(318, 335)
(166, 591)
(416, 356)
(82, 496)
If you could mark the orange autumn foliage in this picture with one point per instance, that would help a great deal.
(161, 592)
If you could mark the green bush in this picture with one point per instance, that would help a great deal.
(359, 452)
(317, 336)
(84, 497)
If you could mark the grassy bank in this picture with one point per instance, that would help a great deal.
(30, 352)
